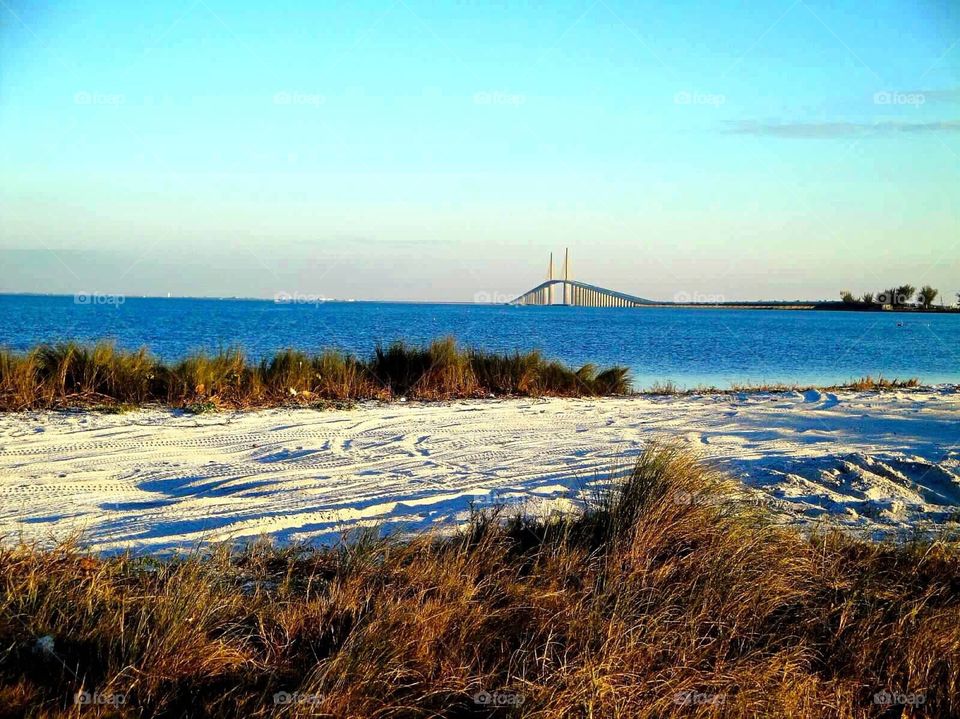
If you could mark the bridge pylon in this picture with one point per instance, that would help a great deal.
(575, 293)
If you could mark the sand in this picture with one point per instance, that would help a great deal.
(158, 480)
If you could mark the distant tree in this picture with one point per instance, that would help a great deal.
(958, 298)
(867, 298)
(903, 294)
(848, 298)
(927, 295)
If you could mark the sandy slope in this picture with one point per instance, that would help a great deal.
(156, 480)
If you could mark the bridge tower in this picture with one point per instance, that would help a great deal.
(575, 293)
(550, 280)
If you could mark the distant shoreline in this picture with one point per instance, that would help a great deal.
(819, 305)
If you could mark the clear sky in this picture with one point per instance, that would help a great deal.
(401, 149)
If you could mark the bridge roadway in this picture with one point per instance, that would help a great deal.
(579, 294)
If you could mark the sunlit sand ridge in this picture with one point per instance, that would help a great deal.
(153, 479)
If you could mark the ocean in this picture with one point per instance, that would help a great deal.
(684, 345)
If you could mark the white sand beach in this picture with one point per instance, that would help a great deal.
(157, 480)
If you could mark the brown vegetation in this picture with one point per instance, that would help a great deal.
(71, 374)
(866, 383)
(647, 604)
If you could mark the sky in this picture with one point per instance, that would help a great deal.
(406, 150)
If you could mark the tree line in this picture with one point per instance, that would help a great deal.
(901, 296)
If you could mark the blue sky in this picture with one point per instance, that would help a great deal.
(412, 150)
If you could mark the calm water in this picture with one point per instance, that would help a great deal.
(688, 346)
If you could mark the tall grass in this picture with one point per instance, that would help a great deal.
(341, 376)
(225, 376)
(649, 603)
(20, 386)
(869, 383)
(71, 374)
(437, 371)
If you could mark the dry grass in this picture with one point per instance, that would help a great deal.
(645, 605)
(867, 383)
(70, 374)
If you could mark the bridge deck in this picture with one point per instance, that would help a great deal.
(579, 294)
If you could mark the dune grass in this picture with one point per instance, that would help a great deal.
(862, 384)
(101, 376)
(645, 604)
(880, 383)
(71, 374)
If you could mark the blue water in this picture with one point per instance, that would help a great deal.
(686, 346)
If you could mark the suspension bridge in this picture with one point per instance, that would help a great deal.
(563, 290)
